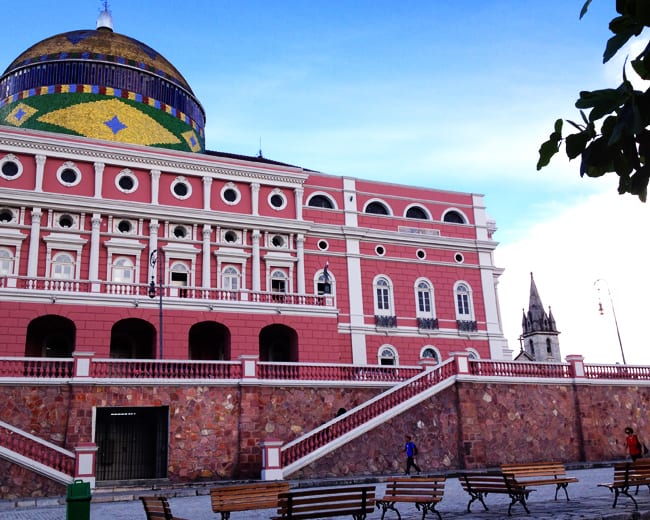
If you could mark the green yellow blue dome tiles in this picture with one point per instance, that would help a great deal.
(112, 115)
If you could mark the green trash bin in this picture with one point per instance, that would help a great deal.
(78, 501)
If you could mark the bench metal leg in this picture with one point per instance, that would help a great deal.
(623, 491)
(562, 485)
(426, 507)
(518, 497)
(476, 496)
(384, 505)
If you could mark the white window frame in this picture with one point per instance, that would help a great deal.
(7, 262)
(383, 283)
(433, 349)
(393, 351)
(229, 274)
(62, 266)
(419, 312)
(123, 265)
(463, 297)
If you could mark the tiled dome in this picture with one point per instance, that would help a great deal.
(104, 85)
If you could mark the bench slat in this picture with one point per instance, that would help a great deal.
(246, 497)
(326, 502)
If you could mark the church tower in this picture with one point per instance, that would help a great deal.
(539, 336)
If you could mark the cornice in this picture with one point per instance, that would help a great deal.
(150, 159)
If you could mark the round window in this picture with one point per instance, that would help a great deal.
(181, 188)
(459, 258)
(124, 226)
(126, 182)
(277, 241)
(230, 237)
(230, 195)
(421, 254)
(277, 201)
(180, 232)
(69, 176)
(10, 169)
(323, 245)
(66, 221)
(380, 250)
(6, 215)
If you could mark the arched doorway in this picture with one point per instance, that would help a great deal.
(209, 341)
(133, 338)
(50, 336)
(278, 343)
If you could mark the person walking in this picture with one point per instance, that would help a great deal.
(633, 445)
(411, 451)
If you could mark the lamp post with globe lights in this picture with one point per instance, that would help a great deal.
(597, 283)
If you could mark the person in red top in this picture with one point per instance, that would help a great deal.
(632, 444)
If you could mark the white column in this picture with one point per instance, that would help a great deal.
(298, 193)
(355, 291)
(40, 169)
(93, 265)
(155, 185)
(350, 202)
(255, 198)
(34, 241)
(99, 179)
(205, 274)
(256, 260)
(300, 253)
(207, 192)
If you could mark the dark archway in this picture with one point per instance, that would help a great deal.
(278, 343)
(209, 341)
(133, 338)
(50, 336)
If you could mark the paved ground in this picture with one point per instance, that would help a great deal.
(587, 502)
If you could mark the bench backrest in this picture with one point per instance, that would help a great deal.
(489, 481)
(327, 502)
(157, 508)
(433, 487)
(258, 495)
(640, 471)
(535, 469)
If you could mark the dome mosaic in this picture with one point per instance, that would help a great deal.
(104, 85)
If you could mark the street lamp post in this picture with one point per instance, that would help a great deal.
(611, 303)
(153, 260)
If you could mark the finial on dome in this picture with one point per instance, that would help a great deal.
(105, 20)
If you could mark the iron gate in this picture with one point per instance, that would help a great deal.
(132, 443)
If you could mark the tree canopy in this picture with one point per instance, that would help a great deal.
(613, 133)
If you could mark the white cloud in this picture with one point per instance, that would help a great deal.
(603, 237)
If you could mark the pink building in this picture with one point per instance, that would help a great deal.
(121, 236)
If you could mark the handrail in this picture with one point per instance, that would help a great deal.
(479, 367)
(36, 367)
(335, 428)
(342, 372)
(165, 369)
(36, 449)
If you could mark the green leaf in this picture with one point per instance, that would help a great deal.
(602, 102)
(584, 9)
(576, 143)
(549, 148)
(618, 40)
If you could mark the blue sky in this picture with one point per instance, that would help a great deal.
(453, 95)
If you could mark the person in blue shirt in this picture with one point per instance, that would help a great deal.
(411, 451)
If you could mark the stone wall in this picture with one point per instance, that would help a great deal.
(216, 430)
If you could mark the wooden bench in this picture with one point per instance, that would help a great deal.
(424, 492)
(157, 508)
(357, 501)
(629, 475)
(540, 474)
(245, 497)
(479, 485)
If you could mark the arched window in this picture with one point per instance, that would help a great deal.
(377, 208)
(455, 217)
(424, 299)
(417, 212)
(278, 281)
(464, 308)
(472, 354)
(230, 279)
(6, 262)
(387, 355)
(122, 270)
(383, 296)
(179, 277)
(324, 283)
(320, 201)
(430, 353)
(63, 266)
